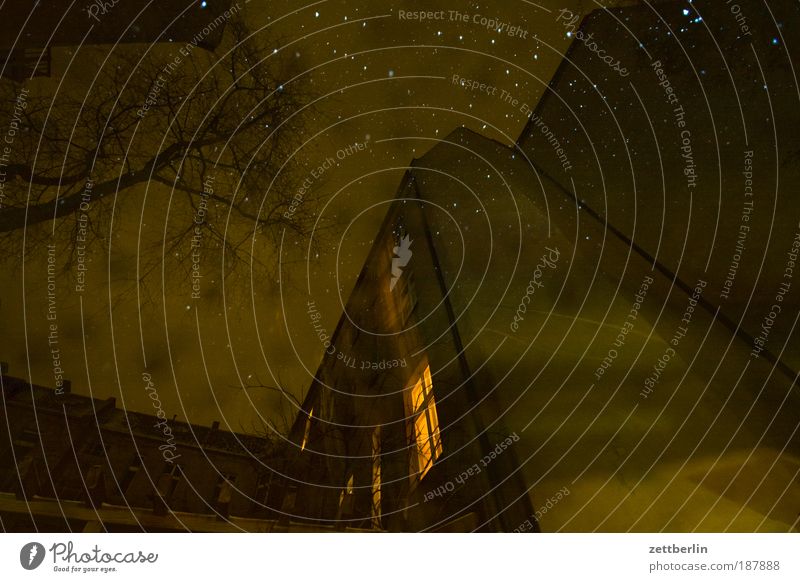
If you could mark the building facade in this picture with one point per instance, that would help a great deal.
(586, 290)
(395, 432)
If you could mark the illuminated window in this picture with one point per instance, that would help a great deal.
(130, 474)
(425, 425)
(307, 430)
(349, 487)
(376, 477)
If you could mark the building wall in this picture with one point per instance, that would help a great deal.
(487, 216)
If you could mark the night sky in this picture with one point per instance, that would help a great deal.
(383, 80)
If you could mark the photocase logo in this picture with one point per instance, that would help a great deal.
(31, 555)
(401, 254)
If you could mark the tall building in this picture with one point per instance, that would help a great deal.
(554, 334)
(73, 463)
(28, 31)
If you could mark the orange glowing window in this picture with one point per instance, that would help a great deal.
(425, 424)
